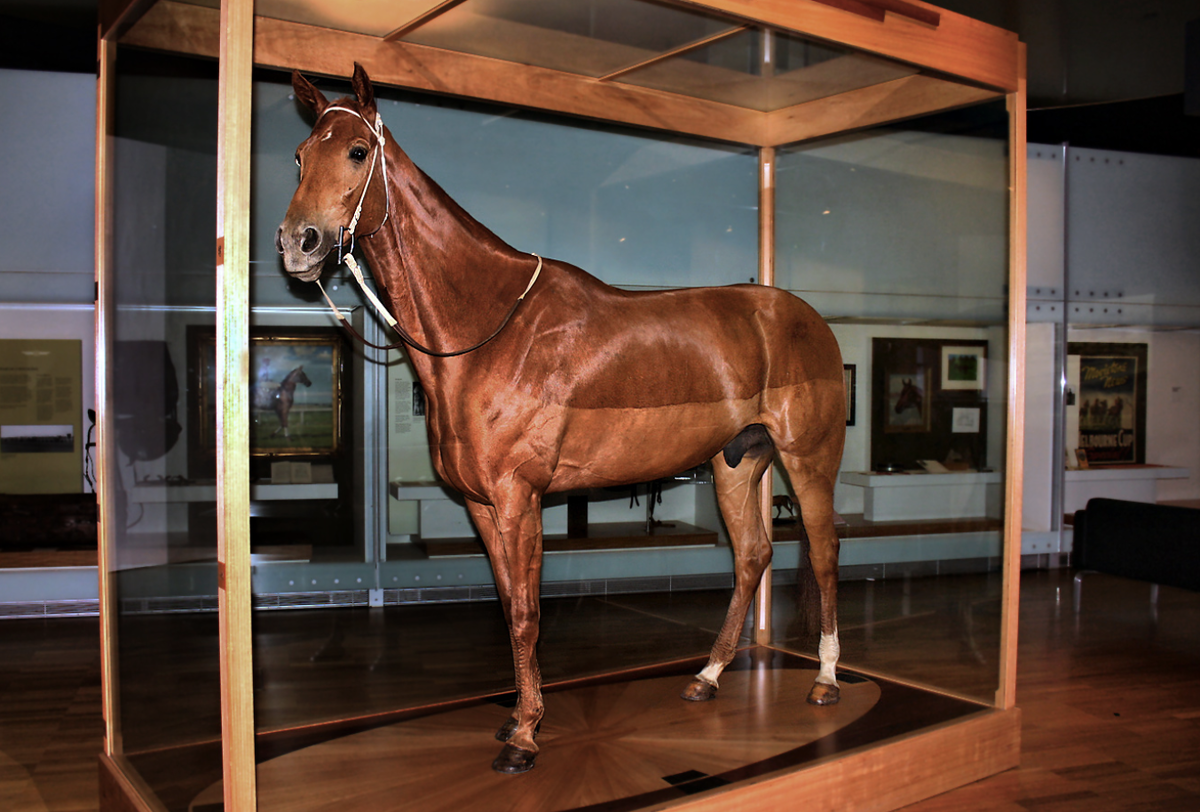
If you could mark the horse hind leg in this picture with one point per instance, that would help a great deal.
(737, 476)
(814, 493)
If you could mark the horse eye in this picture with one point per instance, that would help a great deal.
(358, 154)
(297, 159)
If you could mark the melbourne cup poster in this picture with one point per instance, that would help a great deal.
(1108, 409)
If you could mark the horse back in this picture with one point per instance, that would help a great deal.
(620, 349)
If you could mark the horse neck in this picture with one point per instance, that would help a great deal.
(446, 278)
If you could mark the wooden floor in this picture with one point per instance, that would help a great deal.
(1110, 696)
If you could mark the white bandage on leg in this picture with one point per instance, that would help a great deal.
(829, 651)
(710, 674)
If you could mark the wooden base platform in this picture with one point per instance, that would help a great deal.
(613, 744)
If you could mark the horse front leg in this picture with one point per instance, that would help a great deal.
(738, 497)
(484, 517)
(512, 533)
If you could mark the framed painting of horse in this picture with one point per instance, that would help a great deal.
(296, 397)
(908, 401)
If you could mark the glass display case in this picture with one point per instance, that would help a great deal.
(293, 602)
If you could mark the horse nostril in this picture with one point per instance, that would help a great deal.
(279, 240)
(310, 240)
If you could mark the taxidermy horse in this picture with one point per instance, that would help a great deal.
(539, 378)
(279, 399)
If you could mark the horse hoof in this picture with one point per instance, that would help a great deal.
(513, 760)
(823, 694)
(699, 690)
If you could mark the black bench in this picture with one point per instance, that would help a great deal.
(1148, 542)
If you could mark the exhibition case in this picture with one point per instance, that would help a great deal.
(294, 604)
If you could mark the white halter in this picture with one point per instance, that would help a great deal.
(346, 256)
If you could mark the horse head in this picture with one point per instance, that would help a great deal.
(296, 376)
(343, 178)
(910, 397)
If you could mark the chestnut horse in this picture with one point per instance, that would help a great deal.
(539, 378)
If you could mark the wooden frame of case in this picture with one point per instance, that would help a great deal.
(961, 62)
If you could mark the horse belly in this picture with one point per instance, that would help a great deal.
(615, 446)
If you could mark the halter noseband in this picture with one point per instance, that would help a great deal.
(345, 253)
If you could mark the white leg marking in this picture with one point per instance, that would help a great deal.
(829, 651)
(710, 673)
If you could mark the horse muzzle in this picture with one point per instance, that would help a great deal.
(304, 250)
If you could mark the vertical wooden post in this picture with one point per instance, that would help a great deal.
(766, 276)
(1006, 694)
(233, 443)
(106, 469)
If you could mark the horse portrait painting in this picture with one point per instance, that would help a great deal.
(278, 399)
(539, 378)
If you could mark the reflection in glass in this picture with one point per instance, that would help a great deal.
(592, 38)
(898, 236)
(164, 527)
(765, 70)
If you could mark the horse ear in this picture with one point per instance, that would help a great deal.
(362, 88)
(307, 92)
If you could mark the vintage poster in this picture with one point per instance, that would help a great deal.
(1108, 409)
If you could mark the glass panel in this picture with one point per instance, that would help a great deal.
(165, 529)
(765, 70)
(898, 236)
(1132, 308)
(593, 38)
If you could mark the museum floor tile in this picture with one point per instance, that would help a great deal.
(1110, 695)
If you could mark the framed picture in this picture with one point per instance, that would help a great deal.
(296, 378)
(907, 401)
(965, 420)
(850, 379)
(963, 367)
(1110, 384)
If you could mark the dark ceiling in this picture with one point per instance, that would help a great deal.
(1105, 74)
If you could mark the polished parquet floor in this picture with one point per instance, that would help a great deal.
(1110, 693)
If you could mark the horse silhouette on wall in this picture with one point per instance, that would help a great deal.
(539, 378)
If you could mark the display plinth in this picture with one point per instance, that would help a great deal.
(1133, 483)
(630, 743)
(899, 497)
(155, 493)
